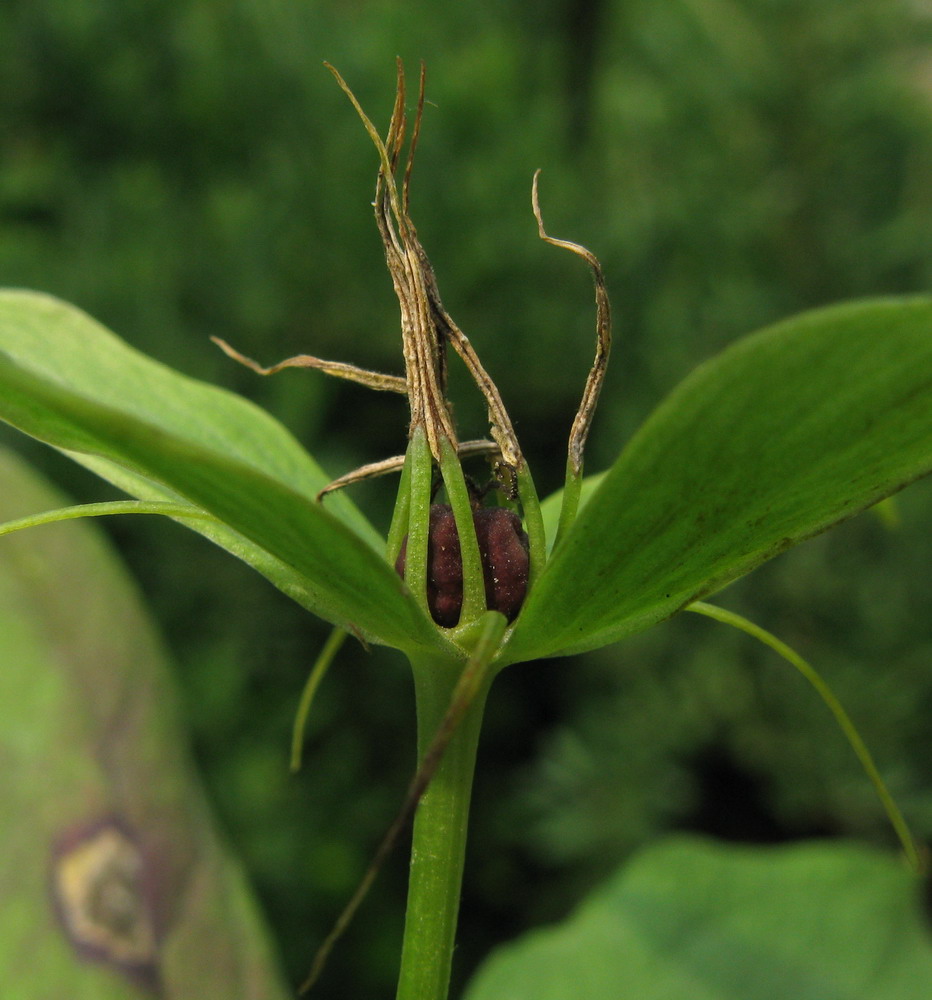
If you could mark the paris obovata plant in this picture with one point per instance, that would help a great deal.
(786, 433)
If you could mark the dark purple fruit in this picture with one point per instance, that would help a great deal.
(503, 547)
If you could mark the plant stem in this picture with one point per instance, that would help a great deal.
(458, 496)
(533, 521)
(439, 837)
(570, 505)
(418, 516)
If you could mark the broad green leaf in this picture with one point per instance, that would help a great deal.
(781, 436)
(98, 791)
(57, 341)
(66, 380)
(713, 922)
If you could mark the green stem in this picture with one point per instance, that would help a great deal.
(439, 837)
(318, 671)
(418, 516)
(458, 495)
(570, 505)
(533, 522)
(900, 826)
(167, 508)
(399, 525)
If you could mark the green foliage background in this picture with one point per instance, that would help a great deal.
(188, 169)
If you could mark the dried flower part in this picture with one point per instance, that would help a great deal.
(427, 329)
(503, 548)
(370, 379)
(426, 326)
(603, 327)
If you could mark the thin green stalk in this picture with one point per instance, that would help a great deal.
(321, 665)
(399, 526)
(570, 504)
(165, 507)
(841, 718)
(427, 943)
(533, 522)
(450, 702)
(461, 504)
(419, 516)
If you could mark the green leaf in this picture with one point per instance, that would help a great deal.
(712, 922)
(781, 436)
(95, 768)
(159, 435)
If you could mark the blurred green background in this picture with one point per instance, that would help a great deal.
(189, 168)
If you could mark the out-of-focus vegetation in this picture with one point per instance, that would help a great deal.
(96, 766)
(188, 169)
